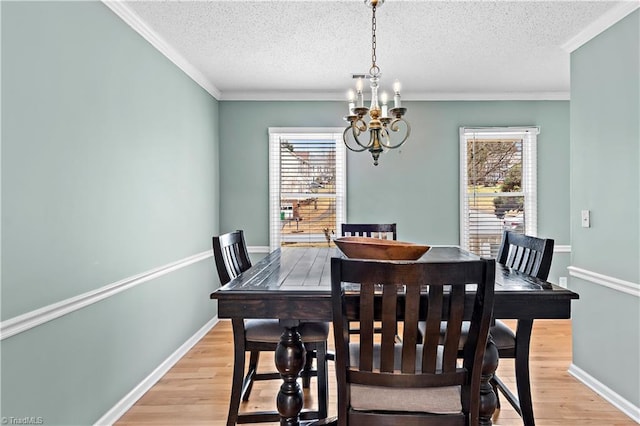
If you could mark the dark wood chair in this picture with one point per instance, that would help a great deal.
(257, 335)
(531, 256)
(417, 381)
(374, 230)
(385, 231)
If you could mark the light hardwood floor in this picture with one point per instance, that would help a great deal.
(196, 390)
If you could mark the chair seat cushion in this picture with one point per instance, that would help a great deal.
(503, 336)
(270, 330)
(442, 400)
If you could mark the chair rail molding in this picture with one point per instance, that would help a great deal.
(39, 316)
(605, 280)
(258, 249)
(562, 249)
(605, 392)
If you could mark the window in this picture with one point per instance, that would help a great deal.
(307, 191)
(497, 186)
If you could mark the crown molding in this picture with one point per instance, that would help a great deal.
(489, 96)
(600, 25)
(420, 96)
(124, 12)
(138, 25)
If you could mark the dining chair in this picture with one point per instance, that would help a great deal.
(373, 230)
(258, 335)
(385, 231)
(531, 256)
(417, 381)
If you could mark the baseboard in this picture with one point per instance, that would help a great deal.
(612, 397)
(118, 410)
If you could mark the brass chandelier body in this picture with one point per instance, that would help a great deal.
(383, 122)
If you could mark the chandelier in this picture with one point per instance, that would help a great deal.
(383, 122)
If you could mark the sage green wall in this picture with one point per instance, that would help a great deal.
(109, 169)
(416, 186)
(605, 159)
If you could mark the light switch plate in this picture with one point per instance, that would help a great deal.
(586, 220)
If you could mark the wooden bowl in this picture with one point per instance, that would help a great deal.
(376, 248)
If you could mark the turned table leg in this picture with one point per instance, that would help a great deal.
(290, 358)
(488, 398)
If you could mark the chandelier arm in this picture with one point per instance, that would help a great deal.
(393, 126)
(344, 139)
(384, 135)
(358, 130)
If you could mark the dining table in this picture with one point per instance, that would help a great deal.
(293, 284)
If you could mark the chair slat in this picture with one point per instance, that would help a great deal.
(410, 332)
(366, 326)
(432, 337)
(389, 316)
(454, 326)
(375, 230)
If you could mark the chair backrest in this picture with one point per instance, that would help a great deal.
(530, 255)
(230, 254)
(399, 295)
(375, 230)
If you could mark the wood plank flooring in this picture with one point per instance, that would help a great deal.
(196, 390)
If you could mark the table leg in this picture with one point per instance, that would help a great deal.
(488, 398)
(290, 358)
(523, 382)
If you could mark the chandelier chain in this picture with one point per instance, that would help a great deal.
(375, 70)
(386, 129)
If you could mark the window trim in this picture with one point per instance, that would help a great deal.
(275, 133)
(529, 135)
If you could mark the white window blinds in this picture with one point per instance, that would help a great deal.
(497, 185)
(307, 193)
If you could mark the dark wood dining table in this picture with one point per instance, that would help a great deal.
(294, 284)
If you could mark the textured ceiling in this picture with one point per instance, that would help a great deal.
(437, 49)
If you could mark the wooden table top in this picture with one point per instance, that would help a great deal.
(296, 283)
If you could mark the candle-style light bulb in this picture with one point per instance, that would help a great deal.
(359, 86)
(351, 97)
(396, 96)
(385, 109)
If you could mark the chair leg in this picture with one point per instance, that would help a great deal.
(247, 384)
(523, 383)
(238, 371)
(495, 390)
(306, 371)
(323, 380)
